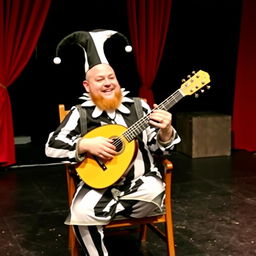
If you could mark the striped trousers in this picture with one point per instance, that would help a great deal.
(92, 209)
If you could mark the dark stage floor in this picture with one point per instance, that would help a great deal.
(214, 208)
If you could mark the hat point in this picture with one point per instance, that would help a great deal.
(57, 60)
(128, 48)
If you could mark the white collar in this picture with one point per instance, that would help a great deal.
(97, 112)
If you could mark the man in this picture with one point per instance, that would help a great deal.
(142, 188)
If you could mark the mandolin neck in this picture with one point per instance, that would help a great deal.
(133, 131)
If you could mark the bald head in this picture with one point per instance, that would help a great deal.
(99, 69)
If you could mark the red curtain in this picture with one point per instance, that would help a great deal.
(244, 119)
(21, 22)
(148, 24)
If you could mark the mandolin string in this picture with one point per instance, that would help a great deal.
(138, 126)
(175, 97)
(118, 140)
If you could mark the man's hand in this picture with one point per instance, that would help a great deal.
(98, 146)
(162, 119)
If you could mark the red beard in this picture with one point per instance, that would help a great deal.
(107, 104)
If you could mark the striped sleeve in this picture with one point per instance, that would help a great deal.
(62, 142)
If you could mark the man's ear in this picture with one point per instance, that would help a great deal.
(86, 85)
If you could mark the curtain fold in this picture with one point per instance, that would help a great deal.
(21, 23)
(244, 121)
(148, 23)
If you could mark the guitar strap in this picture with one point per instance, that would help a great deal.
(83, 114)
(83, 119)
(138, 107)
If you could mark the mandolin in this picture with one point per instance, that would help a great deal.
(98, 173)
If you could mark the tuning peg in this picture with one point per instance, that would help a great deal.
(188, 76)
(183, 80)
(196, 95)
(208, 87)
(193, 72)
(202, 90)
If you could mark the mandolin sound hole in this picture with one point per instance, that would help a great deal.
(118, 143)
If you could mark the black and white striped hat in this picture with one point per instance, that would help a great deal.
(92, 43)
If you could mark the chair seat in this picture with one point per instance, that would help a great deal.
(157, 212)
(154, 215)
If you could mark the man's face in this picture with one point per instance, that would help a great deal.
(103, 87)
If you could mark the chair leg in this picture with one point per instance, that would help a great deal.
(143, 232)
(169, 234)
(74, 252)
(73, 244)
(168, 215)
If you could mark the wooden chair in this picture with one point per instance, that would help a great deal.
(143, 223)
